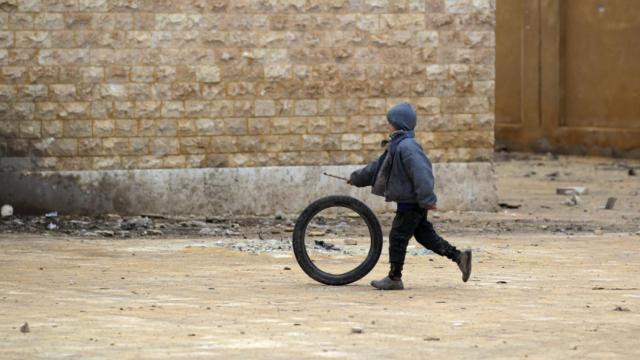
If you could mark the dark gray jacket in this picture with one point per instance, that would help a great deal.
(410, 179)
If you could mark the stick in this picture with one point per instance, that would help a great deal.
(335, 176)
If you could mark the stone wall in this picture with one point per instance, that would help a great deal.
(139, 84)
(92, 88)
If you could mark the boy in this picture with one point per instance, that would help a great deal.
(403, 174)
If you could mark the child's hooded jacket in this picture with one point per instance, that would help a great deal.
(403, 173)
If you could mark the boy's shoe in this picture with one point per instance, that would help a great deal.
(387, 284)
(464, 263)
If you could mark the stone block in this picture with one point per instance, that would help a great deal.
(265, 108)
(164, 146)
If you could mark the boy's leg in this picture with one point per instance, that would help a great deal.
(427, 236)
(402, 230)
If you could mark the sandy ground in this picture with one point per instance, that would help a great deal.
(549, 282)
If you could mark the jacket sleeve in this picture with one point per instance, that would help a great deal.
(420, 172)
(366, 175)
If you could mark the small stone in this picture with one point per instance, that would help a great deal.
(287, 268)
(52, 226)
(570, 190)
(574, 200)
(105, 233)
(154, 232)
(351, 242)
(289, 229)
(6, 211)
(632, 172)
(208, 231)
(317, 233)
(113, 217)
(611, 203)
(431, 339)
(357, 330)
(25, 328)
(598, 232)
(53, 214)
(620, 308)
(136, 223)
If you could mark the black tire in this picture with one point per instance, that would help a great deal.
(300, 251)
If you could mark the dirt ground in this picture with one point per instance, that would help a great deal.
(550, 281)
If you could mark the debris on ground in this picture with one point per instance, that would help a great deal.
(351, 242)
(326, 245)
(51, 215)
(570, 190)
(620, 308)
(611, 203)
(6, 211)
(357, 330)
(509, 206)
(138, 222)
(25, 328)
(574, 200)
(105, 233)
(632, 172)
(553, 176)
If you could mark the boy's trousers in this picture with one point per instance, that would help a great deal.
(409, 223)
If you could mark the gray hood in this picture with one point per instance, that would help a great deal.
(402, 117)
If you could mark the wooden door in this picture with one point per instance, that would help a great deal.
(568, 76)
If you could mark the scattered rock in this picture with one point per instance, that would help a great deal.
(431, 339)
(194, 224)
(52, 226)
(137, 222)
(598, 232)
(279, 216)
(6, 211)
(632, 172)
(326, 245)
(611, 203)
(620, 308)
(286, 268)
(50, 215)
(289, 229)
(570, 190)
(357, 330)
(509, 206)
(501, 282)
(154, 232)
(317, 233)
(113, 217)
(208, 231)
(105, 233)
(154, 216)
(25, 328)
(351, 242)
(574, 200)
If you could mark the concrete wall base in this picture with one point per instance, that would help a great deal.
(223, 191)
